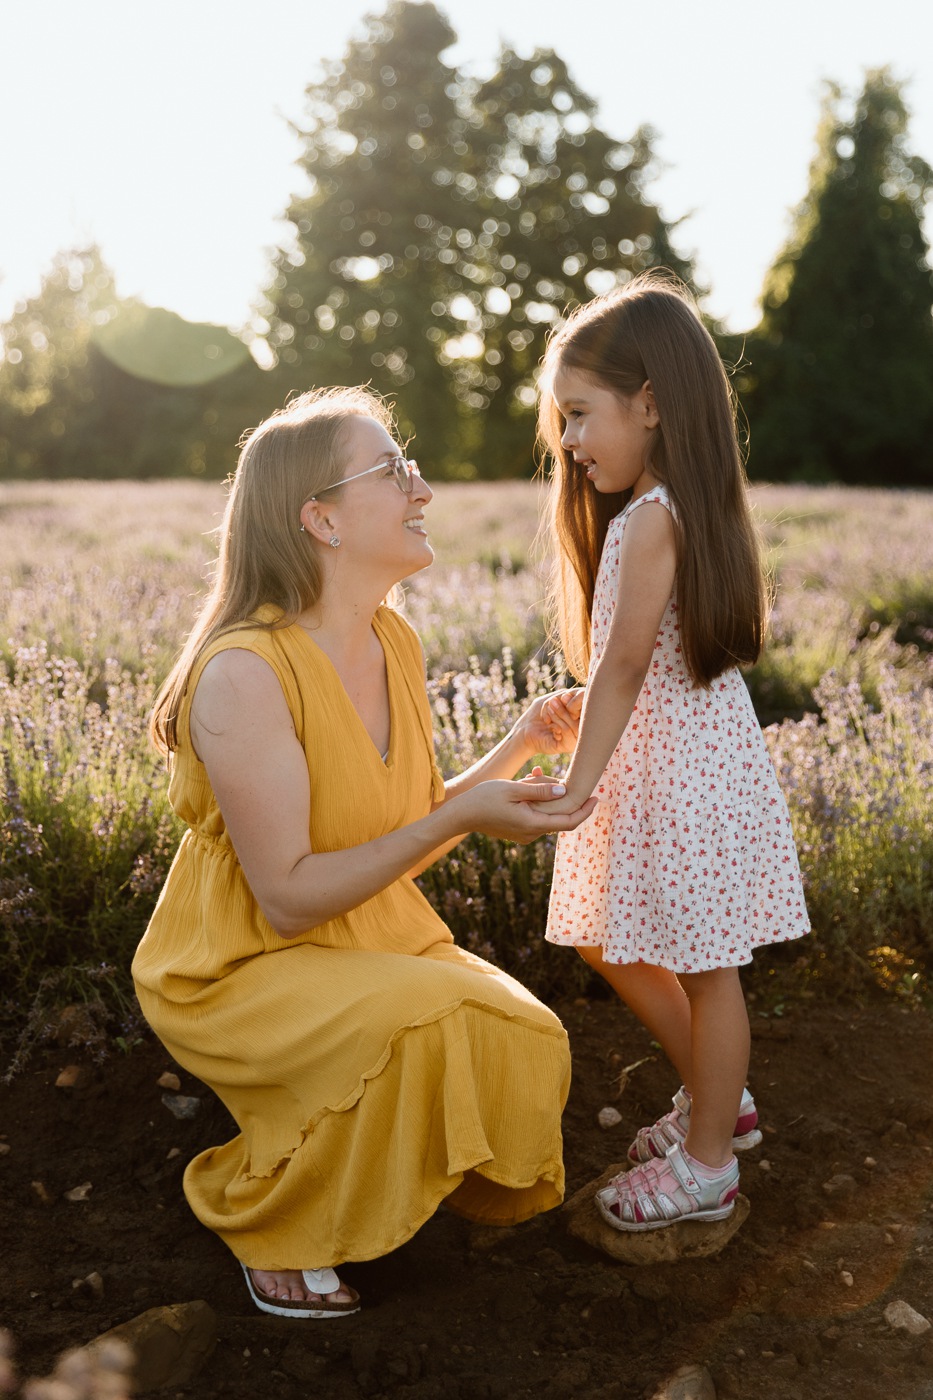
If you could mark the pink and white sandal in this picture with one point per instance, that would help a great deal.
(665, 1190)
(672, 1128)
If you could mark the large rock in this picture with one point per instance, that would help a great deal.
(170, 1344)
(688, 1239)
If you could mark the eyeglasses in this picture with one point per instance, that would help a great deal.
(403, 469)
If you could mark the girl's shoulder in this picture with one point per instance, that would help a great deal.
(658, 495)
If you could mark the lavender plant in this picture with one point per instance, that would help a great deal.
(99, 582)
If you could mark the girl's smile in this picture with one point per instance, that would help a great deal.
(608, 435)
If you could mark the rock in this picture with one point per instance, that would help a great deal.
(79, 1193)
(69, 1077)
(75, 1025)
(609, 1117)
(93, 1285)
(4, 1148)
(688, 1239)
(840, 1185)
(170, 1344)
(41, 1190)
(689, 1383)
(846, 1278)
(169, 1081)
(903, 1318)
(181, 1105)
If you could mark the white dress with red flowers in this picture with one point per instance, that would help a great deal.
(689, 860)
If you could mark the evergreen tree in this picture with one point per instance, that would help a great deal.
(573, 220)
(92, 386)
(385, 238)
(840, 384)
(448, 225)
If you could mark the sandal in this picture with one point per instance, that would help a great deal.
(672, 1128)
(322, 1281)
(665, 1190)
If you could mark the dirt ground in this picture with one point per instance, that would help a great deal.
(791, 1310)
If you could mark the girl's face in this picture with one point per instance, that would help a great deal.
(607, 433)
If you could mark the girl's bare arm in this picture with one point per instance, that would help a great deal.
(647, 569)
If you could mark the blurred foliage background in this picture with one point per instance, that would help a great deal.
(446, 224)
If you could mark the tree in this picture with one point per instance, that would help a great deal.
(573, 220)
(384, 238)
(840, 384)
(449, 223)
(46, 400)
(92, 386)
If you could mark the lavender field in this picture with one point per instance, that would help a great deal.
(100, 581)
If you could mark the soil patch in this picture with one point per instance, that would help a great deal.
(841, 1224)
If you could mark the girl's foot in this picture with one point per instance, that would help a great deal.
(672, 1128)
(665, 1190)
(307, 1293)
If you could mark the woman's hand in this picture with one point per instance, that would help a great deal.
(514, 811)
(552, 722)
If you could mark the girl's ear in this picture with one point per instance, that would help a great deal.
(649, 406)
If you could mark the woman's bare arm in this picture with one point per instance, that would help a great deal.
(242, 730)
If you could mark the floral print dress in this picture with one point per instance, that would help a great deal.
(689, 860)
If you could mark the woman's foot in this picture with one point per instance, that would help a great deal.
(300, 1293)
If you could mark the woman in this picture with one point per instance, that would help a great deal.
(374, 1068)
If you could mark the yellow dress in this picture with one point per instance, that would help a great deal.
(374, 1068)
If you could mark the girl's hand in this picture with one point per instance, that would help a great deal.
(513, 811)
(552, 722)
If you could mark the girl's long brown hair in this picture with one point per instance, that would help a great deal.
(263, 556)
(650, 330)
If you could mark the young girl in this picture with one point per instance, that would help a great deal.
(688, 863)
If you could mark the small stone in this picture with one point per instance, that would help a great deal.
(609, 1117)
(43, 1193)
(688, 1383)
(4, 1148)
(169, 1081)
(903, 1318)
(888, 1238)
(68, 1077)
(79, 1193)
(172, 1153)
(181, 1105)
(170, 1344)
(764, 1165)
(93, 1285)
(842, 1184)
(827, 1224)
(870, 1162)
(846, 1278)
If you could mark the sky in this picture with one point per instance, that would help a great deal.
(162, 132)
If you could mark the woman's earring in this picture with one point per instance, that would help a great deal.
(333, 541)
(301, 529)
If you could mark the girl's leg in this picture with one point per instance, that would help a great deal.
(657, 999)
(720, 1043)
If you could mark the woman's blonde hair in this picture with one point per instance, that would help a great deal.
(263, 556)
(650, 330)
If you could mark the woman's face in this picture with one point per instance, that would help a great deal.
(380, 528)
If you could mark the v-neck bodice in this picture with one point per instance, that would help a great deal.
(379, 629)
